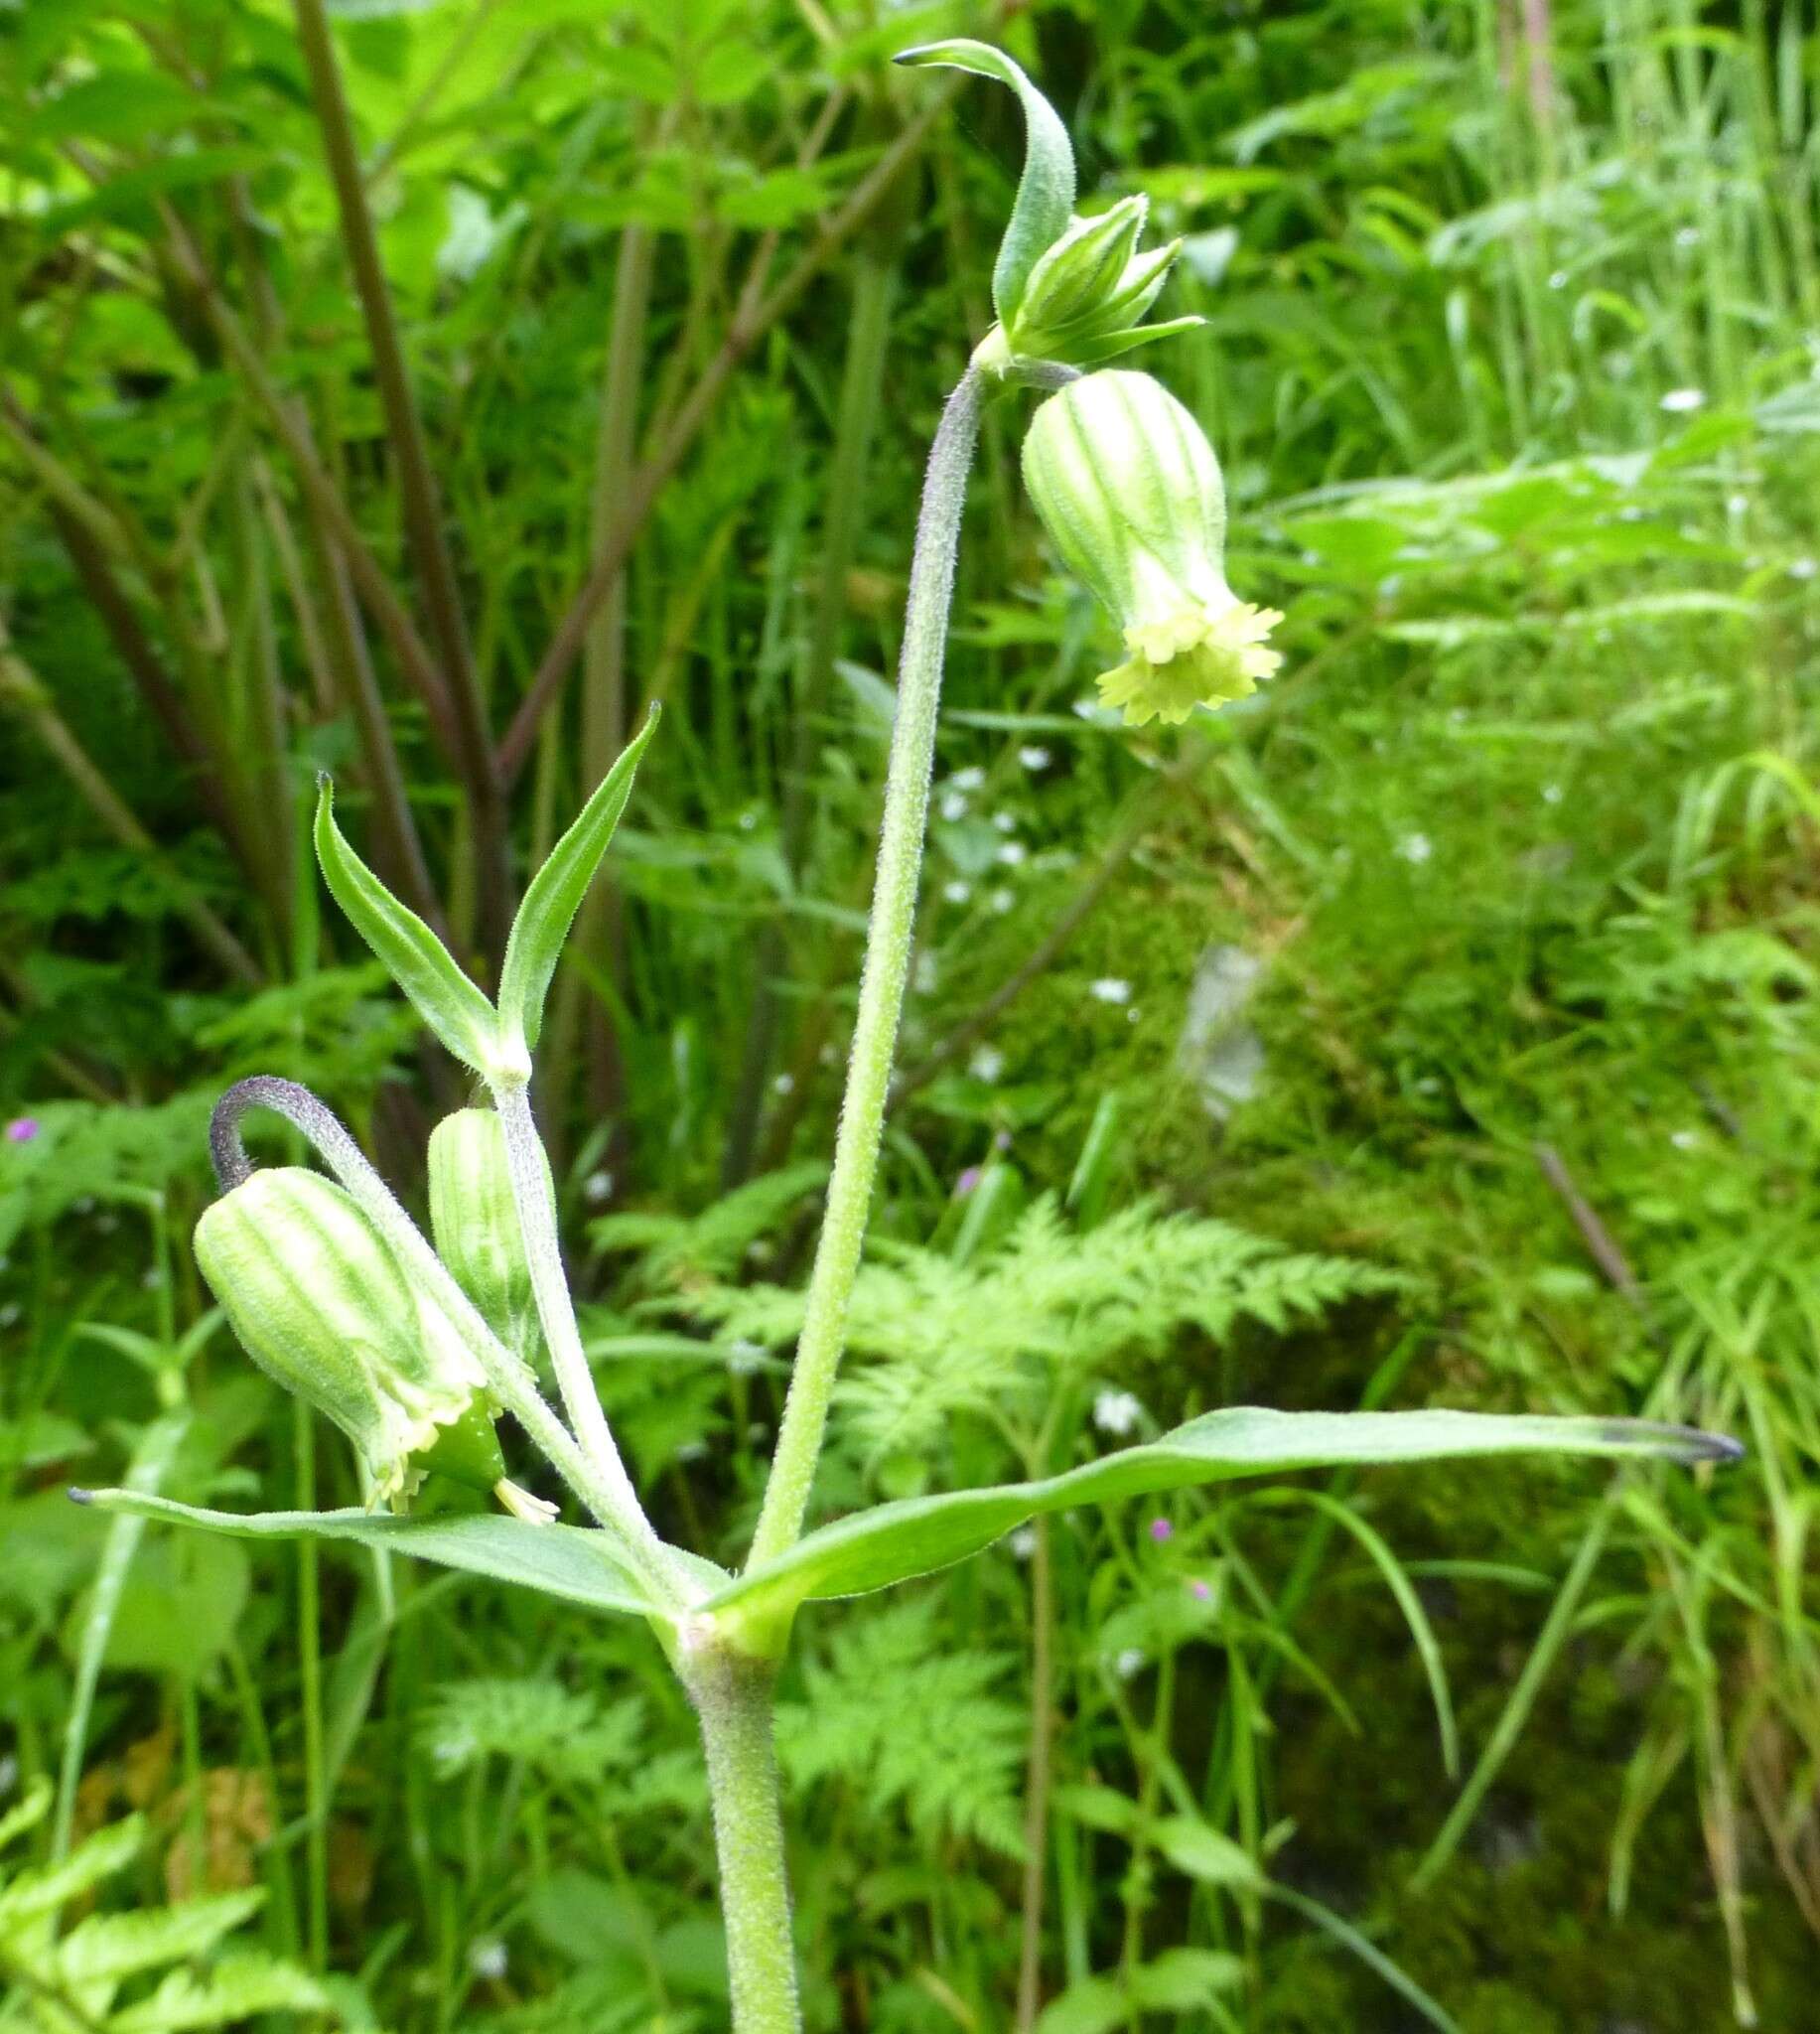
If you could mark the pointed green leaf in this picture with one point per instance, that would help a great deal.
(1044, 203)
(1202, 1852)
(916, 1536)
(1093, 353)
(556, 894)
(417, 961)
(574, 1563)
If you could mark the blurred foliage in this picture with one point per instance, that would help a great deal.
(1496, 914)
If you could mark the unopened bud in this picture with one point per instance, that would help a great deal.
(319, 1303)
(1130, 493)
(475, 1223)
(1085, 299)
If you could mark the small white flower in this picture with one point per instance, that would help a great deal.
(1109, 989)
(1738, 503)
(1011, 853)
(756, 1433)
(83, 1204)
(1033, 757)
(1558, 281)
(1116, 1412)
(969, 779)
(743, 1358)
(1002, 901)
(1678, 401)
(597, 1187)
(691, 1451)
(957, 891)
(153, 1279)
(1023, 1542)
(1685, 1140)
(9, 1314)
(1005, 822)
(1133, 1014)
(747, 820)
(986, 1064)
(786, 1084)
(1688, 236)
(1415, 848)
(1552, 793)
(828, 1055)
(487, 1956)
(1803, 568)
(929, 973)
(1129, 1661)
(953, 806)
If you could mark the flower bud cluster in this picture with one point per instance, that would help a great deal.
(1085, 300)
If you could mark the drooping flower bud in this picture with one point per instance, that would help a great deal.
(319, 1303)
(1130, 493)
(475, 1224)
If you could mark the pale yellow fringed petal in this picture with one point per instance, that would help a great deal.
(1200, 655)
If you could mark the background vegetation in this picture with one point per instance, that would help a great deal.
(418, 390)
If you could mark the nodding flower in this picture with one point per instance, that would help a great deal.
(1131, 495)
(321, 1305)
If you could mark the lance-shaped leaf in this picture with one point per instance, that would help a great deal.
(916, 1535)
(555, 896)
(1044, 203)
(417, 961)
(574, 1563)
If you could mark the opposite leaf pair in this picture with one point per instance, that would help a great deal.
(494, 1040)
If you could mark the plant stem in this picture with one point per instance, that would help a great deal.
(887, 954)
(537, 1222)
(733, 1699)
(861, 401)
(1037, 1784)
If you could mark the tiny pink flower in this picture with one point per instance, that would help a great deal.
(21, 1129)
(1203, 1592)
(966, 1183)
(1160, 1529)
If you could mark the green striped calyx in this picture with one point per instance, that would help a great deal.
(319, 1303)
(1130, 491)
(475, 1223)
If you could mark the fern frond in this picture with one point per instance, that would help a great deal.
(239, 1988)
(554, 1729)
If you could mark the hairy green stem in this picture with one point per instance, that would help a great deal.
(733, 1699)
(887, 954)
(556, 1314)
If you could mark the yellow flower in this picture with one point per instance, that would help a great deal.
(1203, 655)
(1131, 495)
